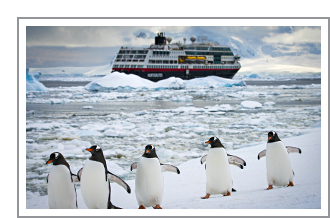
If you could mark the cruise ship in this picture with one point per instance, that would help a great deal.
(164, 59)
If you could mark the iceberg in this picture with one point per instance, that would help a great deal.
(116, 80)
(213, 81)
(122, 81)
(32, 82)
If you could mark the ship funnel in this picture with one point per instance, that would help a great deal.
(160, 39)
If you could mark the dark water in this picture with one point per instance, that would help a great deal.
(284, 82)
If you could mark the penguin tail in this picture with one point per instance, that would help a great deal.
(233, 190)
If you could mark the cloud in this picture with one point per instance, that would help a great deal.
(300, 36)
(93, 36)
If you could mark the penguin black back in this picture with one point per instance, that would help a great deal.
(150, 152)
(215, 142)
(273, 137)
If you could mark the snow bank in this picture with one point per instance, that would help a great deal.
(116, 80)
(32, 82)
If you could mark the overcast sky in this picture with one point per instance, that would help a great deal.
(59, 46)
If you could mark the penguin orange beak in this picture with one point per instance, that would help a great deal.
(208, 142)
(89, 149)
(49, 161)
(147, 151)
(269, 138)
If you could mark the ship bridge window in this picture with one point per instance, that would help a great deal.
(133, 52)
(219, 49)
(165, 61)
(127, 66)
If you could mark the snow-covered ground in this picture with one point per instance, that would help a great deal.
(177, 118)
(184, 191)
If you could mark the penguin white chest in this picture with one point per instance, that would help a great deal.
(279, 170)
(61, 190)
(149, 182)
(218, 175)
(95, 188)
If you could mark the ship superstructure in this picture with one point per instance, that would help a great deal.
(164, 59)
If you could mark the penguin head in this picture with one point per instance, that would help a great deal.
(214, 142)
(95, 150)
(150, 152)
(57, 159)
(273, 137)
(97, 154)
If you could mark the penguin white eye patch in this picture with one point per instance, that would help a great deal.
(97, 148)
(56, 155)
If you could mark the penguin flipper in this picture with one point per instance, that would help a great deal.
(47, 177)
(169, 168)
(134, 166)
(237, 161)
(79, 173)
(293, 149)
(74, 178)
(113, 178)
(203, 159)
(262, 154)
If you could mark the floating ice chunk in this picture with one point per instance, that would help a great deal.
(140, 113)
(57, 101)
(186, 98)
(32, 82)
(114, 133)
(251, 104)
(269, 103)
(87, 133)
(87, 107)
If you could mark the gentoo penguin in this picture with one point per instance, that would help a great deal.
(279, 170)
(218, 175)
(61, 188)
(149, 182)
(95, 180)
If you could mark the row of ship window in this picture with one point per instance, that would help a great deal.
(207, 48)
(133, 52)
(176, 66)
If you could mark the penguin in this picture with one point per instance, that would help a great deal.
(60, 184)
(278, 164)
(95, 180)
(218, 174)
(149, 182)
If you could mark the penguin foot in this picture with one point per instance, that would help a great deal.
(141, 207)
(269, 187)
(115, 207)
(290, 184)
(157, 207)
(227, 194)
(206, 196)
